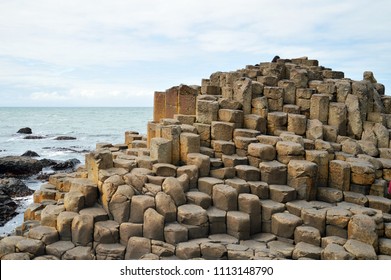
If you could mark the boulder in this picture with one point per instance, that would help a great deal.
(137, 178)
(173, 188)
(82, 230)
(138, 205)
(50, 213)
(338, 216)
(74, 201)
(64, 225)
(110, 251)
(314, 129)
(79, 253)
(307, 234)
(190, 214)
(7, 245)
(119, 205)
(201, 161)
(14, 187)
(161, 150)
(31, 246)
(30, 154)
(189, 171)
(68, 164)
(315, 218)
(47, 235)
(302, 176)
(363, 228)
(106, 232)
(199, 198)
(360, 250)
(273, 172)
(58, 248)
(305, 250)
(188, 250)
(213, 251)
(284, 224)
(336, 252)
(165, 206)
(137, 247)
(25, 130)
(175, 233)
(19, 166)
(153, 227)
(238, 224)
(7, 208)
(385, 246)
(17, 256)
(355, 123)
(281, 249)
(225, 197)
(127, 230)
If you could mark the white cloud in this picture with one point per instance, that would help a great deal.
(94, 95)
(48, 96)
(64, 47)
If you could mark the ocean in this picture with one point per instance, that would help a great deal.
(88, 125)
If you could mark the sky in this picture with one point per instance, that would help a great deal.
(118, 52)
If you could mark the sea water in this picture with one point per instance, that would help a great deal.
(88, 125)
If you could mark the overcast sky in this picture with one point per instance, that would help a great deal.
(118, 52)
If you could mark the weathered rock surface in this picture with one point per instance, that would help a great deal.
(14, 187)
(19, 166)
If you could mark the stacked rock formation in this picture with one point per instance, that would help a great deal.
(282, 160)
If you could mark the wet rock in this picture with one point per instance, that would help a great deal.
(14, 187)
(25, 130)
(34, 137)
(61, 138)
(30, 154)
(7, 208)
(48, 162)
(68, 164)
(19, 166)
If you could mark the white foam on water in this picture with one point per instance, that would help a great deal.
(88, 125)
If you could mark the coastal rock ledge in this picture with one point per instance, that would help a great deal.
(280, 160)
(14, 166)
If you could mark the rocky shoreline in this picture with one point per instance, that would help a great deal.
(15, 168)
(281, 160)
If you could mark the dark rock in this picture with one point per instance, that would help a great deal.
(33, 137)
(73, 149)
(7, 208)
(25, 130)
(11, 187)
(14, 187)
(30, 154)
(45, 176)
(65, 138)
(48, 162)
(68, 164)
(14, 166)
